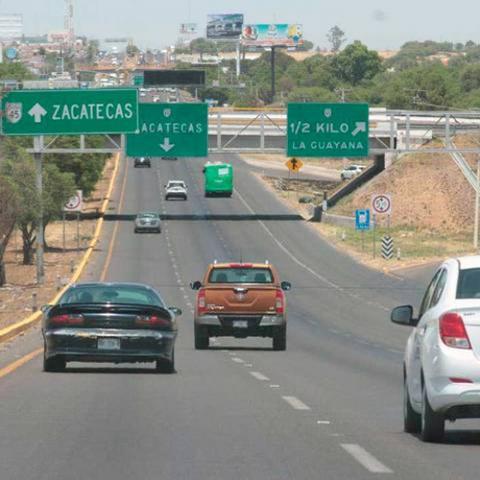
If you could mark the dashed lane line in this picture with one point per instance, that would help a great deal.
(295, 403)
(237, 360)
(366, 459)
(260, 376)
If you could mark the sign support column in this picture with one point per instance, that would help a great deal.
(38, 156)
(477, 205)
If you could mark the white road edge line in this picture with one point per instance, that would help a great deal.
(295, 403)
(366, 459)
(260, 376)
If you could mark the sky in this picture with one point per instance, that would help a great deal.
(380, 24)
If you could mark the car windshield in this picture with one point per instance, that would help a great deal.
(175, 184)
(241, 275)
(468, 283)
(100, 294)
(147, 215)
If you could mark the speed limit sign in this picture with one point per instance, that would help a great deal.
(382, 204)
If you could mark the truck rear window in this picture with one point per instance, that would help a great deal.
(469, 283)
(241, 275)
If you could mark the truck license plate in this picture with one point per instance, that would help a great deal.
(240, 324)
(108, 344)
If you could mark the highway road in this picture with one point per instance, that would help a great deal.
(327, 408)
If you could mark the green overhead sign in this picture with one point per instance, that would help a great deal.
(70, 112)
(327, 130)
(170, 129)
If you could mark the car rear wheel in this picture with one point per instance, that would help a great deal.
(433, 423)
(412, 421)
(54, 364)
(280, 339)
(202, 340)
(166, 366)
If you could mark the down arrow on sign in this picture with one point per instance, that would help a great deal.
(166, 145)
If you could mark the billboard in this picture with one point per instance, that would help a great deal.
(224, 26)
(188, 28)
(173, 78)
(272, 35)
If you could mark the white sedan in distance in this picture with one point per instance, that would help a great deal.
(176, 189)
(442, 357)
(351, 171)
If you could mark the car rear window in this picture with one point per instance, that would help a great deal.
(469, 283)
(240, 275)
(124, 294)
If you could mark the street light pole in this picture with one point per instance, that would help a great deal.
(477, 207)
(38, 156)
(272, 64)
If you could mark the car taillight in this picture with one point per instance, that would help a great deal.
(201, 302)
(67, 319)
(280, 302)
(452, 331)
(151, 321)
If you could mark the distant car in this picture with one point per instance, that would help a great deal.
(109, 322)
(142, 162)
(351, 171)
(441, 368)
(156, 99)
(148, 222)
(175, 189)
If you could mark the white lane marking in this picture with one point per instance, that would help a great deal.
(274, 386)
(260, 376)
(295, 403)
(366, 459)
(238, 360)
(323, 422)
(182, 289)
(248, 365)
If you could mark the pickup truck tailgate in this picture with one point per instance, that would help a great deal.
(247, 299)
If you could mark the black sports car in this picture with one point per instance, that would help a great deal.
(109, 322)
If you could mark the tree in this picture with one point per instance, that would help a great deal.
(470, 77)
(132, 50)
(58, 187)
(92, 51)
(336, 38)
(357, 63)
(8, 218)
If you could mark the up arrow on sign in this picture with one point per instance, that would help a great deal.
(166, 145)
(360, 127)
(37, 111)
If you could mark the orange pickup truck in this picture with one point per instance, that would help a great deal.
(241, 300)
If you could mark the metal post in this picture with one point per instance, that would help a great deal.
(78, 231)
(38, 156)
(392, 132)
(262, 131)
(407, 132)
(374, 225)
(63, 232)
(447, 130)
(238, 59)
(272, 64)
(219, 130)
(477, 207)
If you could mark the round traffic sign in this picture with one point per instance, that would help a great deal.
(382, 204)
(74, 203)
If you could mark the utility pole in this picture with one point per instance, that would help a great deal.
(477, 207)
(272, 64)
(38, 156)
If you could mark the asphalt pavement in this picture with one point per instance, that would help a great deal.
(330, 407)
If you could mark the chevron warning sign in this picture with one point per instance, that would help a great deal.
(387, 247)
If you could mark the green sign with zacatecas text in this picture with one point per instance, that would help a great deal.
(70, 112)
(327, 130)
(170, 129)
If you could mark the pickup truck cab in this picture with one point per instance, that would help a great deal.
(241, 300)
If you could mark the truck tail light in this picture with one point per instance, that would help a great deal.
(67, 319)
(201, 302)
(452, 331)
(151, 321)
(280, 302)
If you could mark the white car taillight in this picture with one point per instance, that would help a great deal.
(453, 332)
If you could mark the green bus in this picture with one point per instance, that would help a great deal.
(218, 179)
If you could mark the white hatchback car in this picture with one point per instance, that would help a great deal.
(351, 171)
(176, 189)
(442, 356)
